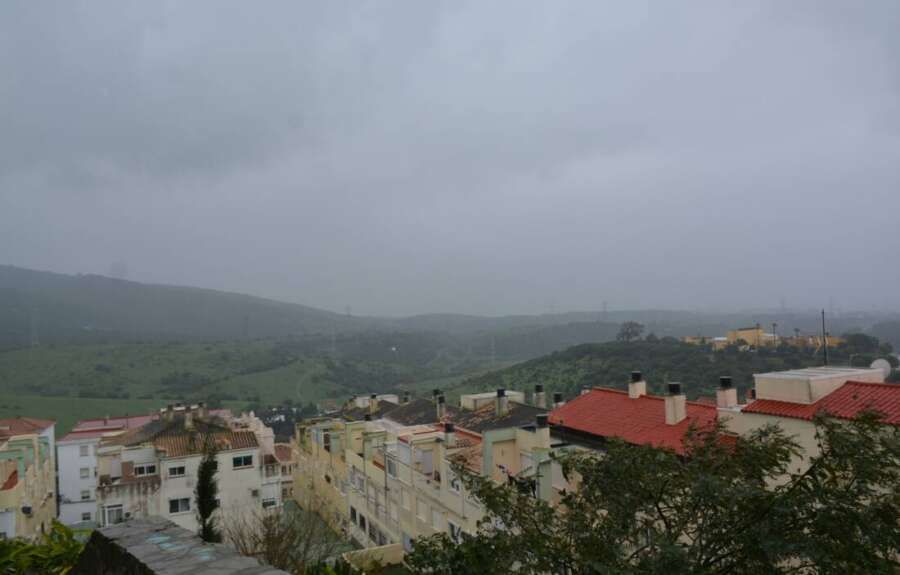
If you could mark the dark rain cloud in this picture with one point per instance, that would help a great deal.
(459, 156)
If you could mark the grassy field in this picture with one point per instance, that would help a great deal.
(68, 383)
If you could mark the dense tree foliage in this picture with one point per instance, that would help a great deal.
(725, 507)
(630, 331)
(664, 359)
(55, 554)
(206, 495)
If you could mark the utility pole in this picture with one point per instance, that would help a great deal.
(824, 338)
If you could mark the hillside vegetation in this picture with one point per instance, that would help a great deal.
(697, 368)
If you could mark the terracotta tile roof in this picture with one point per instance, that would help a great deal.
(642, 421)
(23, 425)
(176, 441)
(845, 402)
(283, 452)
(91, 428)
(11, 481)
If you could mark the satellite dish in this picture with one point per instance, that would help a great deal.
(883, 365)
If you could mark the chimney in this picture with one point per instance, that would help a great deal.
(540, 398)
(434, 394)
(726, 395)
(188, 418)
(558, 400)
(170, 412)
(637, 387)
(441, 407)
(449, 435)
(501, 404)
(751, 395)
(202, 412)
(542, 429)
(373, 404)
(585, 390)
(676, 405)
(405, 398)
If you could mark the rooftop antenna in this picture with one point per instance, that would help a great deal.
(824, 337)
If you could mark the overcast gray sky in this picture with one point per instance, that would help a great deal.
(479, 157)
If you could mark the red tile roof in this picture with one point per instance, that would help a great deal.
(91, 428)
(23, 425)
(642, 421)
(11, 481)
(845, 402)
(283, 452)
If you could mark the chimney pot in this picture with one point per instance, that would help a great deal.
(725, 382)
(636, 376)
(540, 398)
(541, 420)
(637, 387)
(449, 435)
(557, 399)
(675, 404)
(501, 404)
(441, 407)
(449, 427)
(435, 392)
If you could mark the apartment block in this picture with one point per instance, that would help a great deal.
(27, 477)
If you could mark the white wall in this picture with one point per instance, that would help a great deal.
(69, 464)
(8, 523)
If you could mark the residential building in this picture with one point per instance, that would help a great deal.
(383, 473)
(77, 465)
(27, 477)
(791, 399)
(152, 470)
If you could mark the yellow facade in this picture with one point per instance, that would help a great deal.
(28, 490)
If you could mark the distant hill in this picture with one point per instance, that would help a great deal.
(51, 308)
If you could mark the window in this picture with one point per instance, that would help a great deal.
(84, 472)
(177, 471)
(113, 514)
(326, 441)
(242, 461)
(455, 531)
(269, 502)
(85, 495)
(392, 467)
(353, 514)
(362, 521)
(454, 483)
(407, 542)
(142, 470)
(182, 505)
(84, 450)
(86, 516)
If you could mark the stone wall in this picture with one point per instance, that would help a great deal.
(156, 546)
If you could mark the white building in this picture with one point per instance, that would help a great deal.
(76, 455)
(152, 470)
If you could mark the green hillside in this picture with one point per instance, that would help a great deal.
(667, 360)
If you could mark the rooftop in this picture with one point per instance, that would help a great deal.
(846, 402)
(23, 425)
(486, 418)
(824, 372)
(642, 421)
(419, 411)
(177, 440)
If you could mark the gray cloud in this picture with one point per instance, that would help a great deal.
(460, 156)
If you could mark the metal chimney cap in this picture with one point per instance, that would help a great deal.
(541, 420)
(373, 396)
(539, 388)
(436, 392)
(636, 376)
(441, 399)
(557, 397)
(725, 382)
(501, 392)
(449, 427)
(674, 389)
